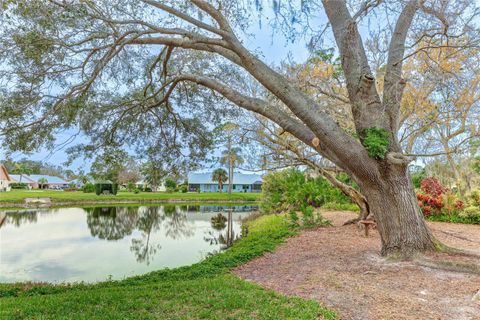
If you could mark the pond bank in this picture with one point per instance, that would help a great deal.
(16, 199)
(206, 290)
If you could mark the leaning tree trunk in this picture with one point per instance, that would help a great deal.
(400, 222)
(350, 192)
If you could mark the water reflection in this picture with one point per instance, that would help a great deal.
(219, 223)
(73, 240)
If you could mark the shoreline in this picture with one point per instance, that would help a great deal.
(60, 204)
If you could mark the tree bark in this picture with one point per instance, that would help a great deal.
(400, 221)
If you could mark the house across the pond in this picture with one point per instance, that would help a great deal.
(35, 181)
(242, 182)
(5, 179)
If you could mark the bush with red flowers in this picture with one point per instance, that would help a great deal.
(433, 187)
(437, 199)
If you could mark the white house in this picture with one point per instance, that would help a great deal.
(5, 179)
(34, 181)
(242, 182)
(142, 184)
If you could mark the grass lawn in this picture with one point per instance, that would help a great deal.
(206, 290)
(17, 197)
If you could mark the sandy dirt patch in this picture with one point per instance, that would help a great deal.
(342, 269)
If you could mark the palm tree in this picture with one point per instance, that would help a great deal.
(42, 182)
(231, 157)
(220, 176)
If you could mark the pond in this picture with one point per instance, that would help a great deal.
(100, 243)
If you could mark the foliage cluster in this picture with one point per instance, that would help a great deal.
(308, 218)
(18, 185)
(439, 203)
(291, 189)
(183, 188)
(376, 141)
(170, 184)
(112, 188)
(88, 188)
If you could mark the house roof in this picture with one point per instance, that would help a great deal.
(36, 177)
(50, 179)
(238, 178)
(4, 173)
(25, 178)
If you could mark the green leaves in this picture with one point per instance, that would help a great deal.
(33, 45)
(376, 142)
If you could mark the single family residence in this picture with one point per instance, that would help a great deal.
(242, 182)
(35, 181)
(5, 179)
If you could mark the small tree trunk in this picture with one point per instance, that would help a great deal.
(400, 221)
(230, 176)
(349, 191)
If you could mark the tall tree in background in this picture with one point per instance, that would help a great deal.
(172, 54)
(231, 157)
(109, 165)
(230, 135)
(21, 169)
(441, 107)
(130, 173)
(153, 174)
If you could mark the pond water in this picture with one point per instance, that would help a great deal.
(95, 244)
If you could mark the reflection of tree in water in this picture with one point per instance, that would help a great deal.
(149, 220)
(226, 238)
(176, 225)
(219, 222)
(20, 217)
(174, 222)
(111, 223)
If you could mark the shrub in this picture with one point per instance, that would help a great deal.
(310, 218)
(114, 189)
(183, 188)
(170, 184)
(130, 186)
(431, 201)
(101, 187)
(88, 188)
(439, 203)
(433, 187)
(18, 185)
(474, 198)
(98, 189)
(287, 190)
(136, 191)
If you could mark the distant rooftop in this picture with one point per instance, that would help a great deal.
(36, 177)
(238, 178)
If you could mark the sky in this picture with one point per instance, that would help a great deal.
(274, 48)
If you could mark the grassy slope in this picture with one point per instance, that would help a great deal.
(17, 196)
(206, 290)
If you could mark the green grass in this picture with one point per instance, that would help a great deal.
(454, 218)
(206, 290)
(341, 206)
(18, 196)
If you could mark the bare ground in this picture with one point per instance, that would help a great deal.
(343, 270)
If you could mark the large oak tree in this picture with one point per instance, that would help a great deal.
(131, 71)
